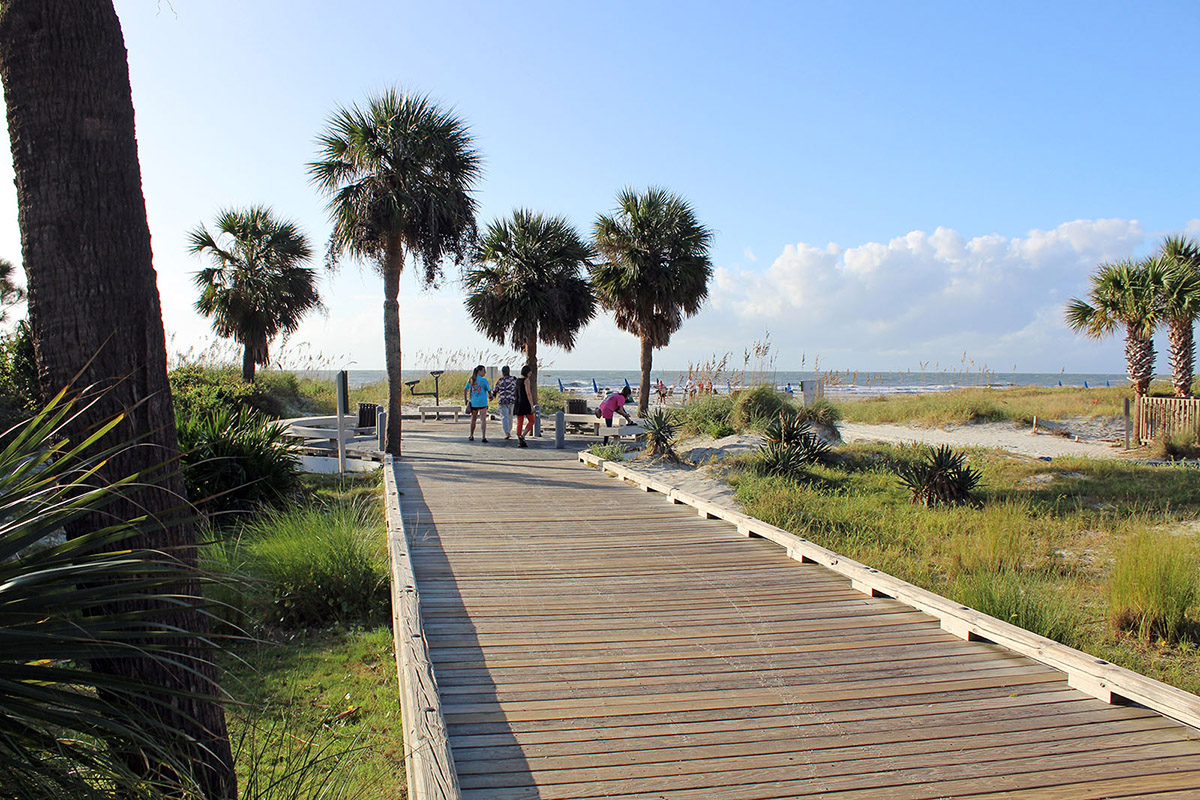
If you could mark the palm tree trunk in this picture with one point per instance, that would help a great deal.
(531, 356)
(96, 318)
(248, 363)
(644, 386)
(1183, 355)
(392, 267)
(1139, 358)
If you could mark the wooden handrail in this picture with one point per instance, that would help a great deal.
(428, 761)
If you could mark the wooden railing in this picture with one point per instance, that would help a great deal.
(1163, 416)
(427, 758)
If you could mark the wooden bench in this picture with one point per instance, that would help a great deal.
(437, 411)
(590, 422)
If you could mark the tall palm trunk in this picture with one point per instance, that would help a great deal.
(248, 363)
(644, 386)
(94, 308)
(1139, 359)
(1183, 355)
(393, 265)
(531, 358)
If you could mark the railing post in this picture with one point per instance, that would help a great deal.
(560, 430)
(537, 421)
(1126, 423)
(381, 427)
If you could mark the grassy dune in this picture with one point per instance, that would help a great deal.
(962, 406)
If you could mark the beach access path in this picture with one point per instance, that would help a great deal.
(592, 640)
(1000, 435)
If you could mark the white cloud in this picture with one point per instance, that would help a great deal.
(749, 255)
(929, 296)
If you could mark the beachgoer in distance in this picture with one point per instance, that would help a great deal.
(788, 389)
(476, 395)
(662, 392)
(688, 389)
(506, 397)
(614, 404)
(522, 408)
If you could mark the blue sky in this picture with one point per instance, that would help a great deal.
(890, 183)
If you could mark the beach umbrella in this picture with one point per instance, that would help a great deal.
(560, 386)
(627, 383)
(595, 388)
(1085, 384)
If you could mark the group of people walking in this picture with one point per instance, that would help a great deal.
(511, 394)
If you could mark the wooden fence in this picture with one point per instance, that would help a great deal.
(1159, 416)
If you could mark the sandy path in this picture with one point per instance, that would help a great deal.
(1003, 436)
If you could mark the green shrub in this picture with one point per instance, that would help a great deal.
(1022, 600)
(753, 409)
(707, 414)
(1178, 445)
(198, 390)
(942, 477)
(314, 566)
(1153, 589)
(551, 400)
(820, 412)
(608, 452)
(235, 461)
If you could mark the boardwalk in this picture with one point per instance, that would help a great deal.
(594, 641)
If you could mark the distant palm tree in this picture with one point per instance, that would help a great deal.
(10, 292)
(1124, 295)
(257, 287)
(531, 284)
(399, 174)
(655, 269)
(1181, 306)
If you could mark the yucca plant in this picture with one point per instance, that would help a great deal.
(783, 460)
(786, 428)
(236, 461)
(65, 730)
(661, 431)
(941, 477)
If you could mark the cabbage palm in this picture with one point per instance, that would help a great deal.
(530, 284)
(257, 286)
(1123, 295)
(399, 174)
(655, 269)
(1181, 306)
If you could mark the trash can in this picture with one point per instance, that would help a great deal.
(366, 415)
(577, 406)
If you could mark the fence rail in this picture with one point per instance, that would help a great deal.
(1163, 416)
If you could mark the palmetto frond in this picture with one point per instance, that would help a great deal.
(530, 281)
(400, 167)
(655, 266)
(257, 285)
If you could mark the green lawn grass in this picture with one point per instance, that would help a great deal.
(1039, 553)
(324, 695)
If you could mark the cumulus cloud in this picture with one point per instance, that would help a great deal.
(923, 295)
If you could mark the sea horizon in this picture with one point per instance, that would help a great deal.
(844, 383)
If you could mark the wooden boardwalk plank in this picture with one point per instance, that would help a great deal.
(593, 641)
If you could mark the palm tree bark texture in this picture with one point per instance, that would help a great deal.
(94, 306)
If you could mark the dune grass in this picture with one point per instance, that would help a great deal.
(963, 406)
(1040, 552)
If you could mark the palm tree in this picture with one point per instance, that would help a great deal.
(1124, 294)
(655, 270)
(530, 284)
(96, 320)
(257, 287)
(1181, 306)
(399, 174)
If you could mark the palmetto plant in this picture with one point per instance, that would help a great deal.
(66, 730)
(661, 431)
(654, 271)
(1124, 295)
(530, 283)
(399, 174)
(941, 477)
(1180, 299)
(784, 460)
(257, 286)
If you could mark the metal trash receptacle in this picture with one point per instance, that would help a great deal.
(577, 406)
(366, 415)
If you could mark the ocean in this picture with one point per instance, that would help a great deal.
(837, 384)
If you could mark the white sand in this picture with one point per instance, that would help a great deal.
(1000, 435)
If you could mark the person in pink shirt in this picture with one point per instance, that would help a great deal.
(614, 404)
